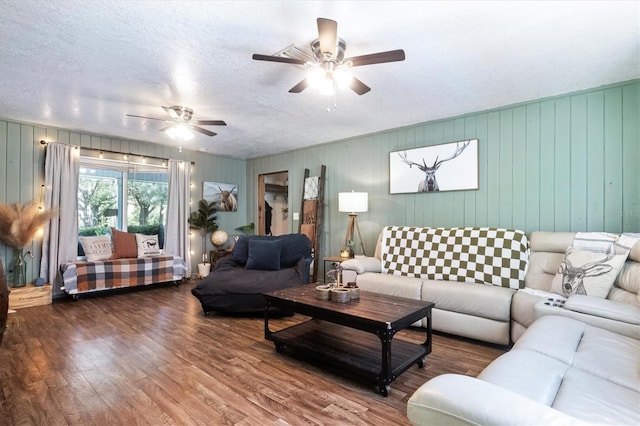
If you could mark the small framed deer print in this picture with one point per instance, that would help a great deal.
(446, 167)
(225, 195)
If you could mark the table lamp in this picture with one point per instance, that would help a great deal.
(352, 203)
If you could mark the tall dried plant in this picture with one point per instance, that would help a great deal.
(19, 224)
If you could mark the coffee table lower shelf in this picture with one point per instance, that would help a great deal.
(349, 351)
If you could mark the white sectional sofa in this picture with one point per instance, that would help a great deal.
(498, 313)
(561, 371)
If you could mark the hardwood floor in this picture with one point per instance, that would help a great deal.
(152, 357)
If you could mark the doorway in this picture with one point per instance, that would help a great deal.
(273, 203)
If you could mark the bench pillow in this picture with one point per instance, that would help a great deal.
(96, 248)
(148, 245)
(124, 245)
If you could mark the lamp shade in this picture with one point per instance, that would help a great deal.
(353, 202)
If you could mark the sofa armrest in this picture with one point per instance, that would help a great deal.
(363, 264)
(604, 308)
(453, 399)
(608, 314)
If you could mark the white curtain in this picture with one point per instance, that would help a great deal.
(176, 234)
(60, 242)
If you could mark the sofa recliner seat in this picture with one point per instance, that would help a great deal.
(561, 371)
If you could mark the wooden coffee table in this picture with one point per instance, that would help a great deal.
(353, 338)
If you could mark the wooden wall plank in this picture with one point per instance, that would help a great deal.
(630, 158)
(595, 164)
(532, 167)
(519, 168)
(578, 163)
(562, 164)
(613, 160)
(547, 166)
(505, 217)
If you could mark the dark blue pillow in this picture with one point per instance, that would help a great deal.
(294, 247)
(264, 255)
(241, 248)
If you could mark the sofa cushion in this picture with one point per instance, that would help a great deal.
(363, 264)
(473, 299)
(411, 288)
(597, 400)
(586, 272)
(124, 245)
(264, 255)
(540, 380)
(629, 277)
(97, 248)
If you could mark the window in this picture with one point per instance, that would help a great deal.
(126, 196)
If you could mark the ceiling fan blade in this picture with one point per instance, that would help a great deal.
(376, 58)
(210, 122)
(282, 59)
(141, 116)
(171, 112)
(328, 35)
(203, 131)
(165, 128)
(359, 87)
(299, 87)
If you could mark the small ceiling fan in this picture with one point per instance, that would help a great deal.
(181, 116)
(329, 62)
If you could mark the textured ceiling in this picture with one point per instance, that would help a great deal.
(84, 64)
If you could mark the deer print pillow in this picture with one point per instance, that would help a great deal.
(587, 273)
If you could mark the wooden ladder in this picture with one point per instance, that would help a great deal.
(311, 221)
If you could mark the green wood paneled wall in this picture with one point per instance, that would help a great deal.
(22, 173)
(568, 163)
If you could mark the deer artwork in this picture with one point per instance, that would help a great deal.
(573, 276)
(430, 184)
(228, 202)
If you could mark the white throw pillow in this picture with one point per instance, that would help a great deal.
(588, 273)
(96, 248)
(148, 245)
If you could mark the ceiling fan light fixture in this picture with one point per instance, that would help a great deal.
(315, 76)
(180, 132)
(343, 78)
(327, 85)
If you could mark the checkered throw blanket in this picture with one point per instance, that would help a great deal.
(490, 256)
(80, 277)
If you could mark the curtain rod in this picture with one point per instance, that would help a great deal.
(43, 142)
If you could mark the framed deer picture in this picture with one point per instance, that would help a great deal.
(225, 195)
(447, 167)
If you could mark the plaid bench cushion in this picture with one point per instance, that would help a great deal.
(80, 277)
(490, 256)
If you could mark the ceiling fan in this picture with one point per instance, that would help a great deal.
(181, 122)
(330, 67)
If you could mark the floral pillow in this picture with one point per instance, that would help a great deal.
(587, 273)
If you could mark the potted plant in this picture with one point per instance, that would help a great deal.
(204, 219)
